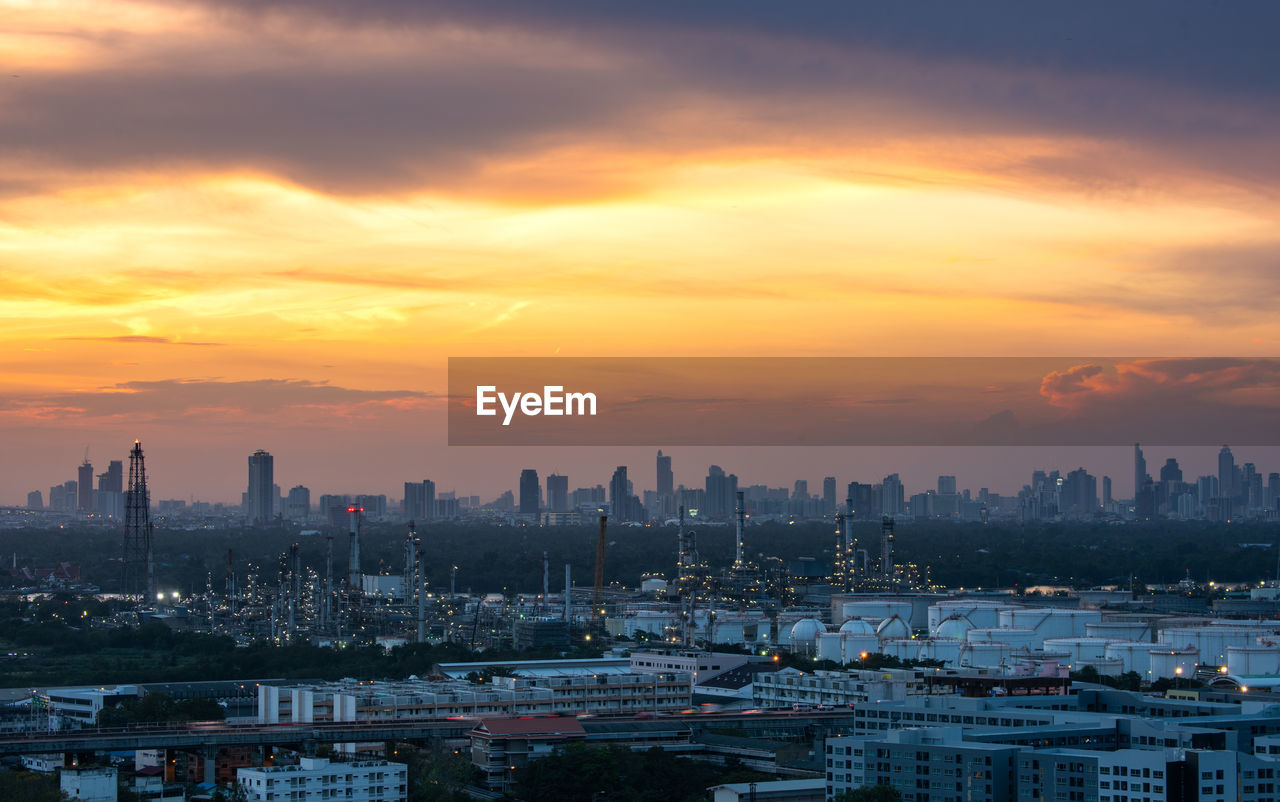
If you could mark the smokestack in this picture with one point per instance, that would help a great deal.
(420, 587)
(546, 579)
(567, 586)
(742, 518)
(326, 609)
(353, 559)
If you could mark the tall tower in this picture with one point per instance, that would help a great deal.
(1139, 470)
(139, 566)
(84, 486)
(262, 493)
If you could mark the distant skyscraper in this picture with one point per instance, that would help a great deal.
(1226, 473)
(262, 492)
(1106, 491)
(530, 492)
(297, 506)
(112, 481)
(1139, 470)
(35, 500)
(946, 485)
(721, 490)
(666, 477)
(84, 485)
(1170, 472)
(829, 496)
(892, 498)
(619, 492)
(558, 493)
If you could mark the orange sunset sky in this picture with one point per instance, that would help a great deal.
(235, 225)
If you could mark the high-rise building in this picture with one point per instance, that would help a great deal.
(829, 496)
(666, 477)
(1226, 473)
(721, 490)
(1079, 494)
(892, 495)
(558, 493)
(419, 500)
(530, 493)
(1106, 491)
(946, 485)
(297, 507)
(112, 481)
(619, 492)
(84, 487)
(1139, 470)
(261, 491)
(1170, 472)
(35, 500)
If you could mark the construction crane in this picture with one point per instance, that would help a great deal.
(597, 612)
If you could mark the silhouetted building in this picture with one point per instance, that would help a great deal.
(297, 507)
(84, 487)
(112, 481)
(35, 500)
(261, 491)
(1226, 473)
(829, 497)
(530, 492)
(557, 493)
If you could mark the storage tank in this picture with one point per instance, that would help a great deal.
(946, 650)
(845, 648)
(1165, 662)
(986, 655)
(901, 648)
(878, 610)
(1050, 622)
(1212, 641)
(803, 636)
(830, 647)
(1133, 656)
(1109, 629)
(1252, 661)
(857, 626)
(1082, 650)
(981, 614)
(955, 627)
(893, 628)
(1016, 638)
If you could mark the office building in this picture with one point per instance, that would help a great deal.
(530, 493)
(261, 493)
(557, 493)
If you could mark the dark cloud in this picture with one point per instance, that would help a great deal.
(1190, 85)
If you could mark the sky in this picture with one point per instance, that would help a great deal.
(229, 225)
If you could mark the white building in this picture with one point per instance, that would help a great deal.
(90, 784)
(319, 779)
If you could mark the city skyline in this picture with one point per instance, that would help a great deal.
(923, 474)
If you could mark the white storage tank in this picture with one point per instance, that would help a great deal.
(981, 614)
(1211, 642)
(878, 610)
(829, 647)
(948, 651)
(1252, 661)
(986, 655)
(1110, 629)
(902, 648)
(893, 628)
(858, 626)
(803, 636)
(1016, 638)
(1050, 622)
(1171, 663)
(1082, 650)
(1133, 656)
(955, 627)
